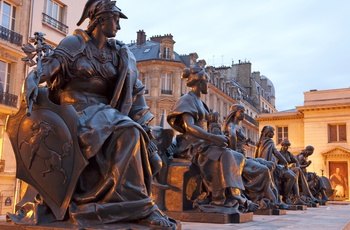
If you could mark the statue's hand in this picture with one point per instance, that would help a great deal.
(30, 92)
(220, 140)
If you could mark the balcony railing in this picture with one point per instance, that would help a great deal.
(251, 120)
(166, 91)
(53, 22)
(8, 99)
(10, 36)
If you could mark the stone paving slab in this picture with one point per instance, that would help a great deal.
(333, 216)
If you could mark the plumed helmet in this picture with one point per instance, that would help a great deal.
(94, 8)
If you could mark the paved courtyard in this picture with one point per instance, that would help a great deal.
(333, 216)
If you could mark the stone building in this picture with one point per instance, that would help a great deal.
(19, 19)
(13, 32)
(160, 69)
(323, 122)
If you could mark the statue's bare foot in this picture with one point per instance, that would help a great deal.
(159, 220)
(252, 207)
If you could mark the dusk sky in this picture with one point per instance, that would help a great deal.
(300, 45)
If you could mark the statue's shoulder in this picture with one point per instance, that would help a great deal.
(74, 44)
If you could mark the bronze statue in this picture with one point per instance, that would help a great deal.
(318, 185)
(94, 76)
(214, 126)
(301, 182)
(220, 167)
(257, 179)
(266, 149)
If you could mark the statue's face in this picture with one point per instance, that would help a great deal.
(110, 25)
(285, 147)
(271, 133)
(203, 84)
(240, 114)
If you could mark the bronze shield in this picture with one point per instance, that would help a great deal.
(47, 150)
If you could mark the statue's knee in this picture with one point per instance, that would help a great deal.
(156, 163)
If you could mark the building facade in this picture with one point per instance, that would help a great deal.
(324, 123)
(14, 30)
(160, 70)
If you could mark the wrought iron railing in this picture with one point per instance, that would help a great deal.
(251, 120)
(166, 91)
(57, 24)
(8, 99)
(10, 36)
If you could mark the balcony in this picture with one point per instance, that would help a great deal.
(10, 36)
(166, 91)
(54, 23)
(251, 120)
(8, 99)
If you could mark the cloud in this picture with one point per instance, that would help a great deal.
(299, 45)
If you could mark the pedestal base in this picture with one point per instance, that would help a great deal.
(313, 205)
(204, 217)
(268, 212)
(298, 207)
(67, 226)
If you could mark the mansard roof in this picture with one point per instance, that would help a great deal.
(150, 51)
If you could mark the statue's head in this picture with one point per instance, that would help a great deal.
(97, 9)
(236, 107)
(267, 131)
(309, 150)
(196, 77)
(285, 142)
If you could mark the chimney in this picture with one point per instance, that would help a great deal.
(141, 37)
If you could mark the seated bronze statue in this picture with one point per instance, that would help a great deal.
(318, 185)
(257, 178)
(220, 168)
(301, 183)
(94, 162)
(284, 178)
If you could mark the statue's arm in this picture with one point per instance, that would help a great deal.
(34, 78)
(280, 157)
(232, 136)
(194, 130)
(294, 159)
(302, 161)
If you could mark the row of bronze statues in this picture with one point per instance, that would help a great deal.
(231, 181)
(83, 140)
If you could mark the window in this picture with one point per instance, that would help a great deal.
(5, 72)
(282, 134)
(145, 80)
(166, 52)
(336, 133)
(167, 83)
(55, 15)
(8, 15)
(163, 122)
(2, 128)
(7, 23)
(54, 10)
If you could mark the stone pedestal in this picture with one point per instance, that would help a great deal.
(271, 212)
(298, 207)
(60, 225)
(175, 197)
(313, 205)
(215, 218)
